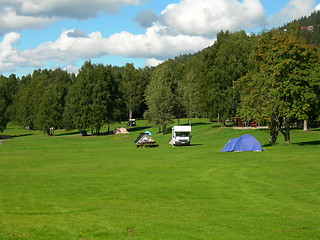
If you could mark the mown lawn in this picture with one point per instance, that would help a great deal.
(70, 187)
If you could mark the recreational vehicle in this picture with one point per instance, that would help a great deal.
(181, 135)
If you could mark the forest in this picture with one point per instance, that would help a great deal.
(271, 78)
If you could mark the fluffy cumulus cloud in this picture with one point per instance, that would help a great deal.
(10, 57)
(152, 62)
(75, 44)
(65, 8)
(19, 14)
(11, 21)
(207, 17)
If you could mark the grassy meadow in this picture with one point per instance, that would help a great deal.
(70, 187)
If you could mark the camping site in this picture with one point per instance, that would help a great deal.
(77, 187)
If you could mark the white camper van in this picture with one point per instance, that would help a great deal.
(181, 135)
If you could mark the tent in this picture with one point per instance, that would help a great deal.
(241, 144)
(143, 138)
(120, 130)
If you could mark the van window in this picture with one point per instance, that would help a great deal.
(182, 134)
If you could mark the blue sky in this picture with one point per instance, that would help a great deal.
(65, 33)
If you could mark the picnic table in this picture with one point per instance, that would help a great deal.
(148, 144)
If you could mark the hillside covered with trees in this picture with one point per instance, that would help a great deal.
(270, 78)
(307, 28)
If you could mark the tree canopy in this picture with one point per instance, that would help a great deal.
(283, 87)
(160, 98)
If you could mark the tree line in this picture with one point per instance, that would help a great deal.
(98, 95)
(271, 78)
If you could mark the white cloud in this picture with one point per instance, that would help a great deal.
(154, 44)
(207, 17)
(10, 21)
(66, 49)
(66, 8)
(19, 14)
(9, 55)
(317, 8)
(72, 69)
(152, 62)
(294, 9)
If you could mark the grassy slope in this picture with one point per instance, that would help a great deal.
(105, 188)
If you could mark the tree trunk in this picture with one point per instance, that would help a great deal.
(130, 114)
(286, 130)
(274, 129)
(164, 129)
(273, 135)
(286, 135)
(305, 125)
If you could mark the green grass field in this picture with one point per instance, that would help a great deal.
(70, 187)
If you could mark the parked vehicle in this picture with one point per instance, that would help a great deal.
(131, 122)
(181, 136)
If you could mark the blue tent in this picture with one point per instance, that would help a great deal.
(244, 143)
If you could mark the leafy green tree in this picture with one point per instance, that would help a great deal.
(131, 88)
(225, 62)
(173, 73)
(7, 91)
(3, 119)
(160, 98)
(51, 104)
(80, 101)
(188, 87)
(25, 101)
(144, 76)
(283, 87)
(93, 99)
(40, 100)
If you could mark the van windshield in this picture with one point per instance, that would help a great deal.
(182, 134)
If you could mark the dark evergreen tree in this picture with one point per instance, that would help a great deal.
(8, 87)
(50, 109)
(94, 97)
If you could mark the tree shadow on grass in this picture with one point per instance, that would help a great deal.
(311, 143)
(191, 145)
(315, 129)
(269, 145)
(138, 129)
(196, 144)
(15, 136)
(69, 133)
(5, 136)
